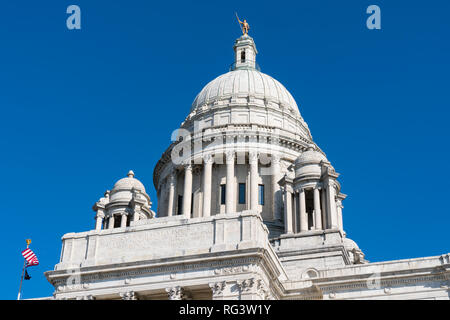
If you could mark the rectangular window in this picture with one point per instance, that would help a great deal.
(241, 193)
(180, 204)
(222, 193)
(261, 194)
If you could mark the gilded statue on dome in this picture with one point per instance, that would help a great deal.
(245, 27)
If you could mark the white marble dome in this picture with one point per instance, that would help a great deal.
(349, 244)
(129, 183)
(308, 163)
(123, 189)
(245, 83)
(246, 96)
(309, 157)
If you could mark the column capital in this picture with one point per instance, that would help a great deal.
(275, 158)
(217, 288)
(230, 155)
(263, 290)
(175, 293)
(187, 166)
(129, 295)
(246, 285)
(86, 297)
(171, 178)
(253, 156)
(208, 158)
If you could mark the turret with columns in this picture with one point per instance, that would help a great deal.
(126, 202)
(314, 193)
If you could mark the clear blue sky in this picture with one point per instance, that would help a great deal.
(81, 108)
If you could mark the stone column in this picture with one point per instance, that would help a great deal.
(317, 211)
(339, 215)
(111, 222)
(331, 206)
(253, 159)
(287, 210)
(175, 293)
(207, 176)
(276, 199)
(324, 209)
(303, 214)
(123, 220)
(99, 219)
(171, 202)
(187, 193)
(136, 214)
(295, 211)
(230, 205)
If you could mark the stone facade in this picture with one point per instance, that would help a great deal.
(249, 207)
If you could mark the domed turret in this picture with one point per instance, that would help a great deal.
(308, 164)
(123, 189)
(128, 183)
(355, 254)
(126, 202)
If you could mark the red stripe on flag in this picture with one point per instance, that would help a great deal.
(30, 257)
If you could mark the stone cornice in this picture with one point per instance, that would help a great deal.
(335, 285)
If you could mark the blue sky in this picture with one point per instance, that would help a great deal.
(80, 108)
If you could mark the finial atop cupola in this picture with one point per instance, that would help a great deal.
(245, 26)
(130, 174)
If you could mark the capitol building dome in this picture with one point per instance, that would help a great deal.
(242, 135)
(246, 83)
(245, 95)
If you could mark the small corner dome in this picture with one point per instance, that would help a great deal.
(308, 164)
(128, 183)
(310, 156)
(349, 244)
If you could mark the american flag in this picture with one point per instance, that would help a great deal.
(31, 258)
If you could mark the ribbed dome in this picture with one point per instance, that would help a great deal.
(245, 83)
(129, 183)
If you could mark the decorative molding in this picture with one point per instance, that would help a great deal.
(217, 288)
(129, 295)
(175, 293)
(247, 285)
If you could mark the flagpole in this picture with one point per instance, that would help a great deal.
(21, 280)
(23, 270)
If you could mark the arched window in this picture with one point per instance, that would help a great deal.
(243, 56)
